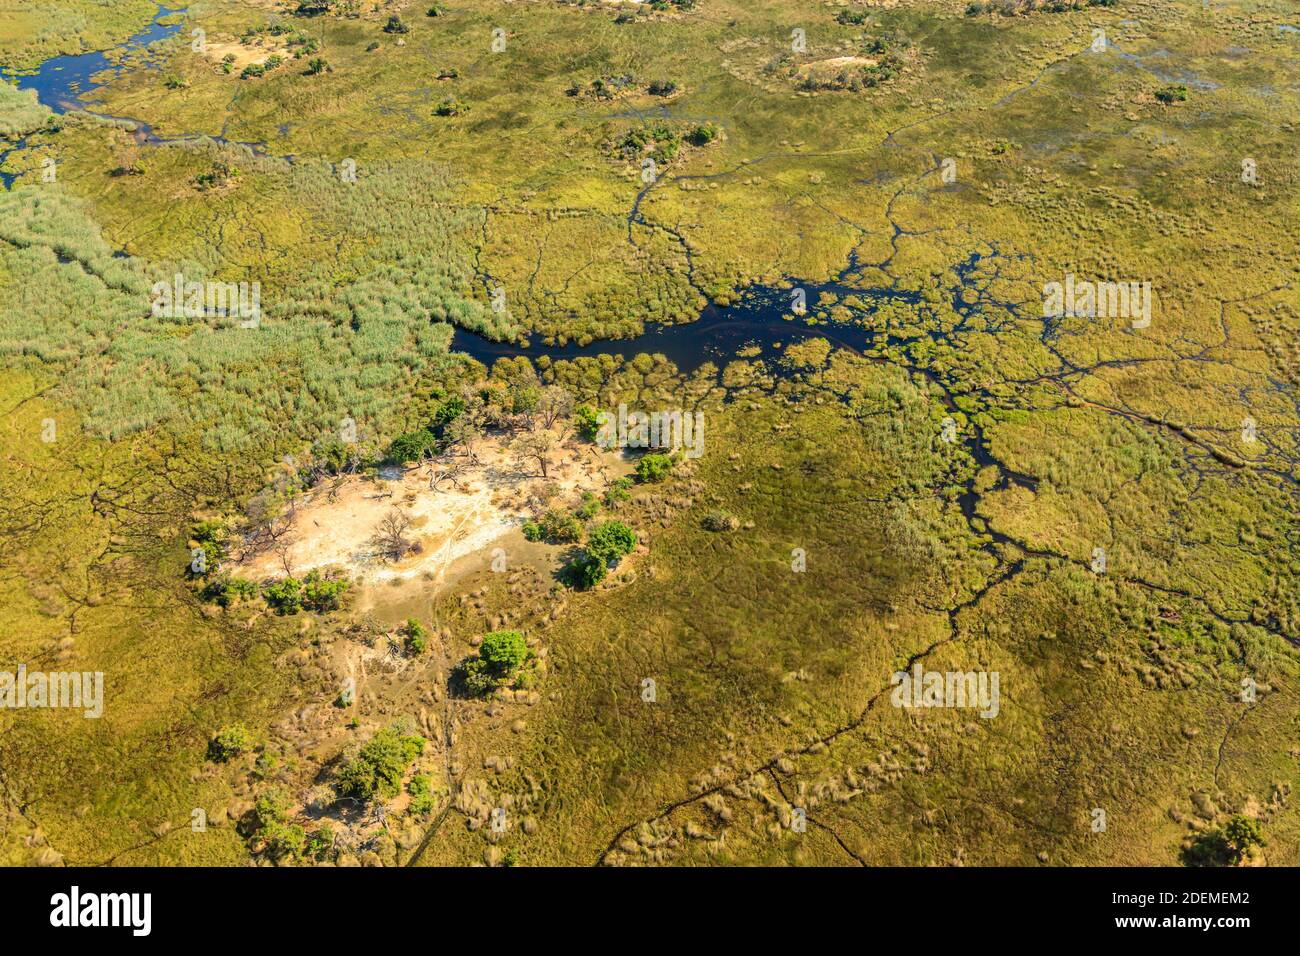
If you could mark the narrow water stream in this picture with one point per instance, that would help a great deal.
(761, 323)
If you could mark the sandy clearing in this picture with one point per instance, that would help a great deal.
(216, 50)
(493, 498)
(836, 63)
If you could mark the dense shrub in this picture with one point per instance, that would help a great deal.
(555, 526)
(284, 597)
(271, 807)
(229, 742)
(587, 571)
(610, 541)
(703, 134)
(653, 467)
(416, 639)
(320, 593)
(719, 520)
(585, 417)
(618, 492)
(376, 768)
(421, 790)
(503, 658)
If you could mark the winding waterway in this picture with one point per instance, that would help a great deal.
(759, 324)
(62, 82)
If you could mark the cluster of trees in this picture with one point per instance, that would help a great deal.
(516, 402)
(300, 42)
(504, 659)
(261, 69)
(281, 837)
(222, 172)
(376, 768)
(889, 62)
(209, 542)
(663, 141)
(313, 8)
(370, 771)
(1228, 845)
(607, 544)
(315, 592)
(606, 87)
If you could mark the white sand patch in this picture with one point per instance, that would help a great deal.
(837, 63)
(489, 500)
(259, 51)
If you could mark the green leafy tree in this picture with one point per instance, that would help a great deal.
(504, 651)
(271, 807)
(284, 841)
(502, 659)
(704, 134)
(376, 768)
(416, 640)
(225, 590)
(284, 597)
(229, 742)
(1226, 846)
(1172, 94)
(554, 526)
(320, 844)
(587, 571)
(1242, 833)
(421, 790)
(320, 593)
(585, 417)
(413, 446)
(653, 467)
(610, 541)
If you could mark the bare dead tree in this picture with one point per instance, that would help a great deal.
(444, 470)
(536, 447)
(266, 519)
(390, 537)
(556, 403)
(282, 552)
(463, 432)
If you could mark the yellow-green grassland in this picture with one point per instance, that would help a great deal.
(828, 229)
